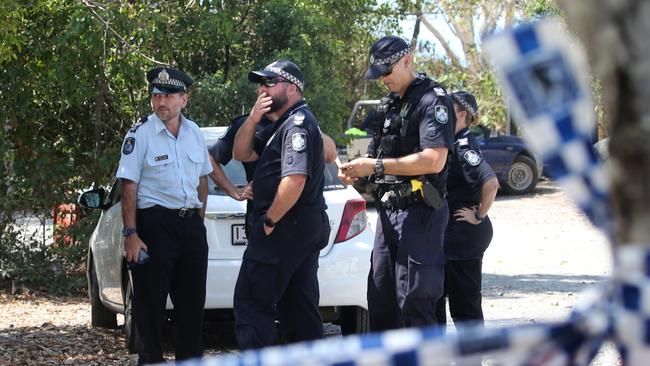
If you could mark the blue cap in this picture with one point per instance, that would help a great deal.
(386, 51)
(467, 100)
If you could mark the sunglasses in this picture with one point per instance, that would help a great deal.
(390, 68)
(272, 82)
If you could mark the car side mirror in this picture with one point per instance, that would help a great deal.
(93, 198)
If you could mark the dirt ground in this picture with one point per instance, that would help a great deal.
(544, 253)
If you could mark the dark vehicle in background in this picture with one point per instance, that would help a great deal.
(517, 169)
(515, 166)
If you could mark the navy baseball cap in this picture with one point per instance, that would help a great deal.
(386, 51)
(165, 80)
(284, 68)
(467, 100)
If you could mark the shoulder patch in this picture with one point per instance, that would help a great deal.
(442, 115)
(138, 124)
(298, 119)
(440, 91)
(129, 145)
(298, 141)
(472, 157)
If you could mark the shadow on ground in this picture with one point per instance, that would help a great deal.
(518, 286)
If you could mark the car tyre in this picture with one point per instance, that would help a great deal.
(522, 176)
(130, 330)
(354, 320)
(100, 316)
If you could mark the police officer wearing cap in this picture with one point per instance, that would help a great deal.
(472, 187)
(406, 163)
(164, 168)
(278, 275)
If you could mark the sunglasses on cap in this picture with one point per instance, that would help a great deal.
(272, 82)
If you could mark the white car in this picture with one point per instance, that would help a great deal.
(342, 275)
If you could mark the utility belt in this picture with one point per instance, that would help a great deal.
(395, 193)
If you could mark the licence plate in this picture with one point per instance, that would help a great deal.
(238, 235)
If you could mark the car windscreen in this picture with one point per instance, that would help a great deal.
(234, 170)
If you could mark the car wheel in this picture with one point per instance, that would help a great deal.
(354, 320)
(522, 176)
(130, 330)
(100, 316)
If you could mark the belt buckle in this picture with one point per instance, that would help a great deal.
(184, 212)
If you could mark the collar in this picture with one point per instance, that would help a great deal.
(291, 111)
(462, 133)
(160, 125)
(419, 78)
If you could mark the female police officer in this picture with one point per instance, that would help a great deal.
(471, 188)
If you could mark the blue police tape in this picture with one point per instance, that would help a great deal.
(617, 311)
(545, 75)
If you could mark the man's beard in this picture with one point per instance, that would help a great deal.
(278, 102)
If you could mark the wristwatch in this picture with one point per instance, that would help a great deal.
(128, 231)
(379, 167)
(478, 217)
(268, 222)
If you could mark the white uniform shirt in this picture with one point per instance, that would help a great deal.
(166, 168)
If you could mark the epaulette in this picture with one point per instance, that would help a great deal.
(138, 124)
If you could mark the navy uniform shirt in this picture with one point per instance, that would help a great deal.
(434, 114)
(166, 168)
(296, 147)
(221, 151)
(467, 172)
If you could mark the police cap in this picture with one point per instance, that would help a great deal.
(284, 68)
(165, 80)
(467, 100)
(385, 52)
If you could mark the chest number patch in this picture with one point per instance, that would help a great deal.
(442, 115)
(298, 142)
(472, 157)
(129, 144)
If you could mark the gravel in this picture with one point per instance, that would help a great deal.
(544, 253)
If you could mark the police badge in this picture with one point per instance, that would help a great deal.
(298, 142)
(472, 157)
(129, 144)
(442, 115)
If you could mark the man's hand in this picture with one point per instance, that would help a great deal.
(361, 167)
(247, 192)
(132, 246)
(268, 230)
(262, 106)
(466, 214)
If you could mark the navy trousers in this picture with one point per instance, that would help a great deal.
(178, 252)
(407, 267)
(278, 280)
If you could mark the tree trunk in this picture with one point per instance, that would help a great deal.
(615, 35)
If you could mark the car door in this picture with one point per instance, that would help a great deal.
(108, 248)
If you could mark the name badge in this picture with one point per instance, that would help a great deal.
(161, 157)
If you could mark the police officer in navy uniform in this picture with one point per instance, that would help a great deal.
(472, 187)
(221, 154)
(407, 162)
(164, 168)
(278, 275)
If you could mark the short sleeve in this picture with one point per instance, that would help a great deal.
(296, 150)
(133, 151)
(437, 122)
(475, 169)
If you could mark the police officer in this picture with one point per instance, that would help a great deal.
(163, 168)
(472, 187)
(407, 160)
(277, 279)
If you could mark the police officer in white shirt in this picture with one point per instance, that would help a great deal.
(164, 168)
